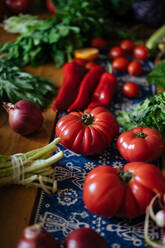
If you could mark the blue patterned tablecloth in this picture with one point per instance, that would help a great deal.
(64, 211)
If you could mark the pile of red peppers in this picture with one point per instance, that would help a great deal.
(84, 87)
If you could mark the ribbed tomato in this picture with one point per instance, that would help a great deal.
(88, 132)
(126, 192)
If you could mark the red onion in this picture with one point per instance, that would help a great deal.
(36, 236)
(84, 238)
(25, 117)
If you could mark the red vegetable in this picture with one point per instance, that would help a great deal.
(73, 73)
(89, 65)
(127, 45)
(98, 42)
(50, 6)
(135, 68)
(37, 237)
(130, 89)
(18, 6)
(87, 87)
(123, 192)
(84, 238)
(141, 52)
(120, 64)
(116, 52)
(89, 132)
(104, 91)
(25, 117)
(141, 144)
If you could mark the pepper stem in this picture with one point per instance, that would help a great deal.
(125, 176)
(141, 135)
(87, 119)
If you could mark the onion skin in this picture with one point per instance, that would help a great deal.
(84, 238)
(36, 236)
(25, 117)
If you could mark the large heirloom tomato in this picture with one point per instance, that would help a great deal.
(126, 192)
(140, 144)
(88, 132)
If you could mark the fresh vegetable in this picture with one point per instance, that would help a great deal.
(120, 64)
(18, 6)
(36, 236)
(88, 54)
(89, 65)
(16, 85)
(136, 184)
(127, 46)
(149, 113)
(88, 132)
(98, 42)
(24, 117)
(50, 6)
(84, 238)
(141, 52)
(73, 73)
(141, 144)
(155, 38)
(157, 75)
(135, 68)
(86, 88)
(130, 89)
(32, 168)
(104, 91)
(116, 52)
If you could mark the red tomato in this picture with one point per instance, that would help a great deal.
(50, 6)
(18, 6)
(141, 52)
(127, 45)
(120, 64)
(90, 64)
(84, 238)
(130, 89)
(98, 43)
(135, 68)
(116, 52)
(126, 192)
(89, 132)
(140, 144)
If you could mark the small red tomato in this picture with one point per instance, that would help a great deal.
(116, 52)
(135, 68)
(127, 45)
(141, 144)
(98, 42)
(18, 6)
(140, 52)
(120, 64)
(90, 64)
(130, 89)
(50, 6)
(84, 238)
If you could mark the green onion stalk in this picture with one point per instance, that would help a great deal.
(33, 168)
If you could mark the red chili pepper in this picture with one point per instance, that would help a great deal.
(87, 87)
(105, 90)
(73, 74)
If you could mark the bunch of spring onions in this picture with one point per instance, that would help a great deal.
(158, 218)
(33, 168)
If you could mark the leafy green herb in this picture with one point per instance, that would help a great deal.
(16, 85)
(149, 113)
(157, 75)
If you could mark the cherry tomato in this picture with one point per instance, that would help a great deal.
(89, 132)
(127, 45)
(141, 52)
(120, 64)
(140, 144)
(116, 52)
(126, 192)
(18, 6)
(130, 89)
(135, 68)
(98, 42)
(50, 6)
(84, 238)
